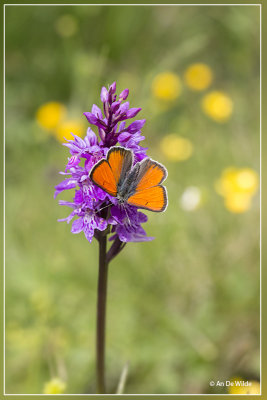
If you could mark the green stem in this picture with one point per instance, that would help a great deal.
(101, 315)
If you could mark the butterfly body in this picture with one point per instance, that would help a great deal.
(127, 187)
(138, 185)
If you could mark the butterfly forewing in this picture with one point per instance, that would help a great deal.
(153, 199)
(150, 174)
(102, 175)
(120, 161)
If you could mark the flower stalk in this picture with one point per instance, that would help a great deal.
(101, 314)
(104, 259)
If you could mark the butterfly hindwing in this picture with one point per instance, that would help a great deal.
(153, 199)
(102, 175)
(149, 193)
(151, 173)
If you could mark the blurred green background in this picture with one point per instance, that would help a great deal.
(183, 309)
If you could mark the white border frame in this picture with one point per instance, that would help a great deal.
(112, 5)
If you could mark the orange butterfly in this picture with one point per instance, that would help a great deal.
(138, 185)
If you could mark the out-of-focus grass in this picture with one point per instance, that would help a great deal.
(183, 309)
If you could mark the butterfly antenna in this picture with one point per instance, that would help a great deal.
(104, 207)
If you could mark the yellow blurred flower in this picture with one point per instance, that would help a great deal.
(166, 86)
(247, 180)
(55, 386)
(176, 148)
(66, 25)
(237, 186)
(218, 106)
(242, 386)
(238, 180)
(237, 202)
(65, 129)
(198, 76)
(50, 114)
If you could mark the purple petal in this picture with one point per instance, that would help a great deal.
(68, 219)
(142, 217)
(129, 234)
(124, 94)
(91, 118)
(112, 88)
(77, 225)
(118, 214)
(131, 141)
(89, 163)
(89, 232)
(67, 203)
(122, 126)
(73, 147)
(133, 112)
(64, 173)
(140, 154)
(124, 107)
(112, 221)
(102, 133)
(78, 197)
(91, 138)
(124, 137)
(98, 193)
(96, 111)
(101, 223)
(135, 126)
(67, 184)
(73, 161)
(79, 141)
(104, 95)
(115, 106)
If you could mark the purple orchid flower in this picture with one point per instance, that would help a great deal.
(95, 209)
